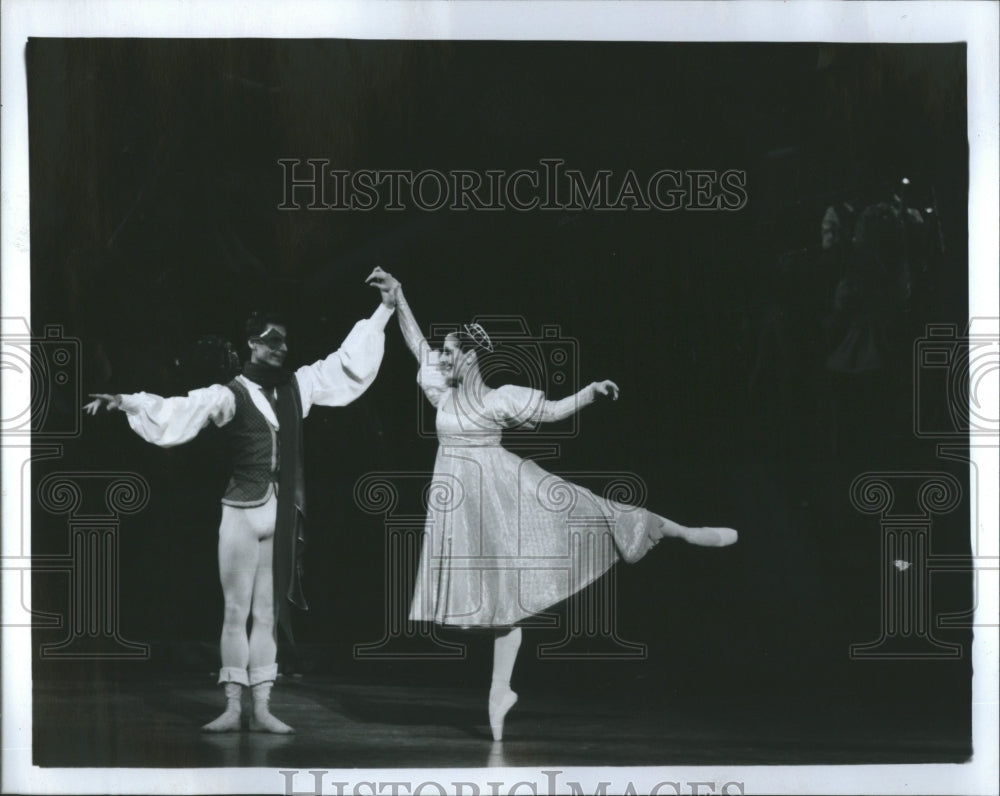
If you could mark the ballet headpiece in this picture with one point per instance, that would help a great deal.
(478, 336)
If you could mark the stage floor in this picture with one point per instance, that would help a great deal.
(147, 723)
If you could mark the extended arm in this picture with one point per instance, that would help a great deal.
(171, 421)
(408, 325)
(350, 370)
(429, 375)
(553, 411)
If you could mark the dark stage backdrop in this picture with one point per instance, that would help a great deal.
(761, 371)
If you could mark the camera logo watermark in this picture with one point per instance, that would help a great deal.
(547, 362)
(960, 367)
(313, 184)
(50, 364)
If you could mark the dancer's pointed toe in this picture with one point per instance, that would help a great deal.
(711, 537)
(500, 705)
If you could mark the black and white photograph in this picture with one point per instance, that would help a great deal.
(499, 398)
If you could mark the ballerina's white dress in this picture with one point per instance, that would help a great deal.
(505, 539)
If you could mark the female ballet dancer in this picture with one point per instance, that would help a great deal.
(499, 544)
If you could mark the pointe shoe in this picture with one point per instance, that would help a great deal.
(711, 537)
(500, 705)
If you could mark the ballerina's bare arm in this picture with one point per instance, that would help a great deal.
(408, 325)
(553, 411)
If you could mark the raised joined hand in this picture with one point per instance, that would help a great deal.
(386, 283)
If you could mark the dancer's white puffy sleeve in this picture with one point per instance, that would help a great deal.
(350, 370)
(430, 378)
(173, 421)
(514, 407)
(554, 411)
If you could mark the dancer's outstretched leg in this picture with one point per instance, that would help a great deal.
(704, 537)
(502, 699)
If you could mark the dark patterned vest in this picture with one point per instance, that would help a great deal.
(265, 461)
(254, 452)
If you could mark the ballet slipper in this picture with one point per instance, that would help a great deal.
(229, 721)
(501, 701)
(711, 537)
(262, 720)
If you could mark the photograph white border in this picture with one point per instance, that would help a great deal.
(828, 20)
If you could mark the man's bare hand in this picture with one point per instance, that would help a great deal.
(606, 388)
(387, 284)
(101, 399)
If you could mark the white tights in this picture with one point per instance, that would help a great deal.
(505, 647)
(246, 544)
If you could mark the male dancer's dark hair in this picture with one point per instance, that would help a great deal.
(258, 322)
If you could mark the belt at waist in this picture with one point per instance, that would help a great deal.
(470, 440)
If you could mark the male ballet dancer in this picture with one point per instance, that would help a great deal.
(261, 534)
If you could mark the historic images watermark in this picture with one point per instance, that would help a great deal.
(549, 781)
(314, 184)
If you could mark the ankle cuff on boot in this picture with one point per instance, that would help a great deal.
(263, 674)
(231, 674)
(234, 691)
